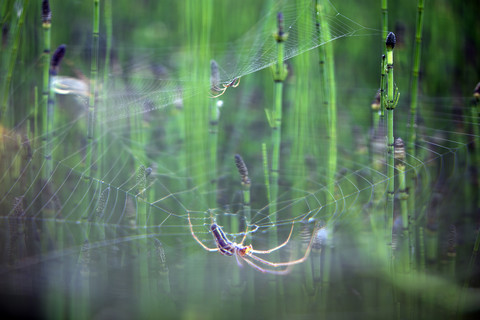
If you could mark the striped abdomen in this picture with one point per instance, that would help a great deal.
(225, 246)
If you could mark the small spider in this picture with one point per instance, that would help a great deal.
(219, 91)
(240, 251)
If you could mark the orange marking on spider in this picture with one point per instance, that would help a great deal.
(235, 82)
(229, 248)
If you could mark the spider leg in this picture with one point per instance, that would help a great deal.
(235, 83)
(198, 240)
(276, 248)
(263, 270)
(287, 263)
(222, 91)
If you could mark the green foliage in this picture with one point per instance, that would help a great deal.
(105, 225)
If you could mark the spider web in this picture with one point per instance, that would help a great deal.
(151, 87)
(148, 194)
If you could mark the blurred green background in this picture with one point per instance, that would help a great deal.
(103, 163)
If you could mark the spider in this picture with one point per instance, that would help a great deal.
(240, 251)
(235, 82)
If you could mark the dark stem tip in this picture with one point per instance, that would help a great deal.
(280, 23)
(46, 12)
(241, 166)
(280, 16)
(390, 42)
(58, 56)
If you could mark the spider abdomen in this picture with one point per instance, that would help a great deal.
(225, 246)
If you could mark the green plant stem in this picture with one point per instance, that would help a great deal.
(46, 77)
(415, 73)
(331, 96)
(93, 89)
(390, 106)
(106, 73)
(35, 119)
(330, 103)
(279, 76)
(198, 24)
(405, 221)
(12, 60)
(412, 140)
(384, 6)
(108, 40)
(382, 88)
(266, 171)
(49, 130)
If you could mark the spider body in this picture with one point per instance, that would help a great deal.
(247, 253)
(225, 246)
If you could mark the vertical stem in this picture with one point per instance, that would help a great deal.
(382, 88)
(108, 34)
(266, 171)
(106, 73)
(390, 106)
(403, 196)
(12, 59)
(35, 118)
(329, 91)
(279, 76)
(54, 65)
(93, 88)
(46, 25)
(413, 107)
(198, 22)
(415, 72)
(331, 96)
(384, 6)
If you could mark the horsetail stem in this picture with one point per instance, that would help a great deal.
(93, 88)
(415, 73)
(46, 25)
(266, 171)
(57, 57)
(279, 75)
(382, 87)
(414, 102)
(400, 156)
(12, 59)
(106, 74)
(390, 106)
(384, 6)
(331, 96)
